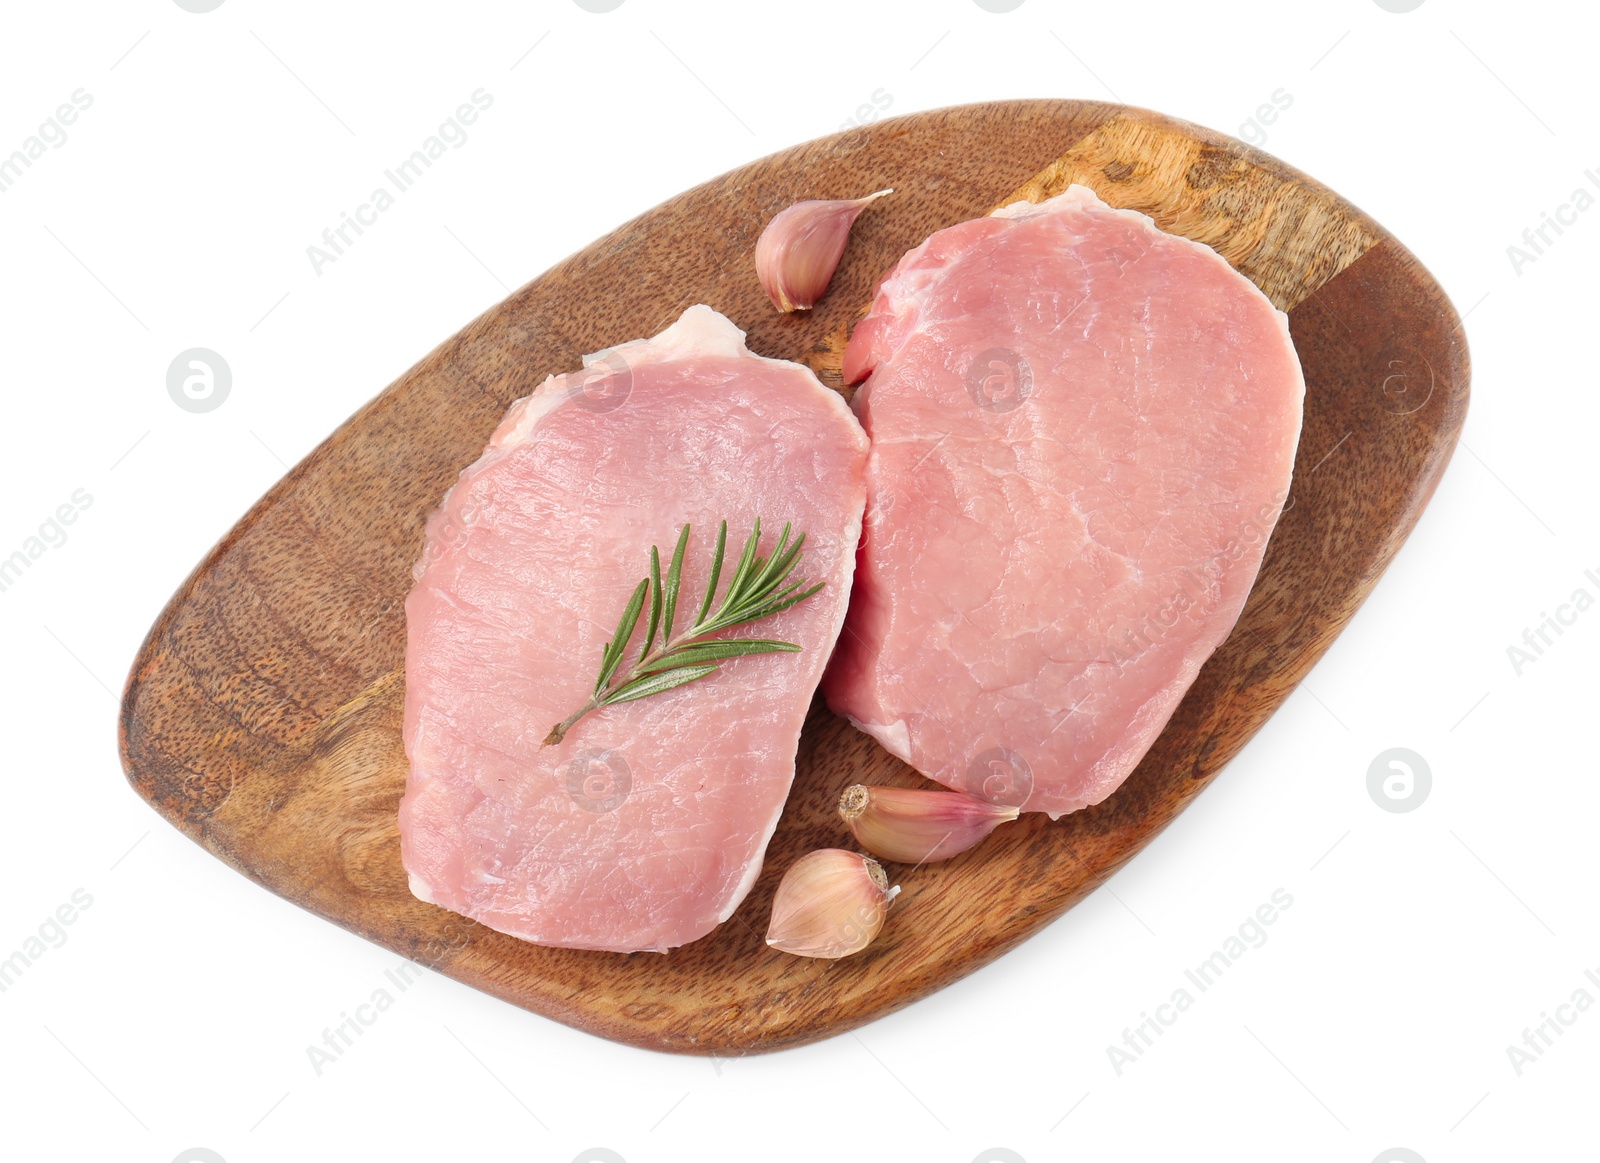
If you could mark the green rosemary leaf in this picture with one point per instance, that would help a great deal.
(674, 578)
(719, 648)
(755, 607)
(766, 568)
(741, 574)
(716, 573)
(612, 658)
(654, 684)
(779, 604)
(770, 577)
(784, 564)
(655, 603)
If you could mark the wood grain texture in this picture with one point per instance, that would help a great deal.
(262, 714)
(1287, 235)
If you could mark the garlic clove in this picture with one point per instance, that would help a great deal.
(800, 249)
(916, 825)
(831, 903)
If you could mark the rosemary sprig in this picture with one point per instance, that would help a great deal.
(759, 588)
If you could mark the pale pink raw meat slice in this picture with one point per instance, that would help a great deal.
(645, 827)
(1083, 430)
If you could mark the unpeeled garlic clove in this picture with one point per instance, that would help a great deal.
(916, 825)
(831, 903)
(799, 250)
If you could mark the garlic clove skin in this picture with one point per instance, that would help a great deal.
(831, 903)
(918, 825)
(800, 249)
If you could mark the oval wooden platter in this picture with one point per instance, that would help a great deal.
(262, 715)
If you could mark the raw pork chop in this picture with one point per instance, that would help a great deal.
(646, 825)
(1082, 434)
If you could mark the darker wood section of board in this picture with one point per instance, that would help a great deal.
(262, 714)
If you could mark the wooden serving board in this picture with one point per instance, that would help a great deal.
(262, 714)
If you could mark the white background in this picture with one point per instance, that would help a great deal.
(177, 1012)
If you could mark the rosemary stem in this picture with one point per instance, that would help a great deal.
(559, 731)
(655, 656)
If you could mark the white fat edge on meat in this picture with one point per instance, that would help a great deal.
(700, 331)
(1077, 195)
(895, 736)
(420, 888)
